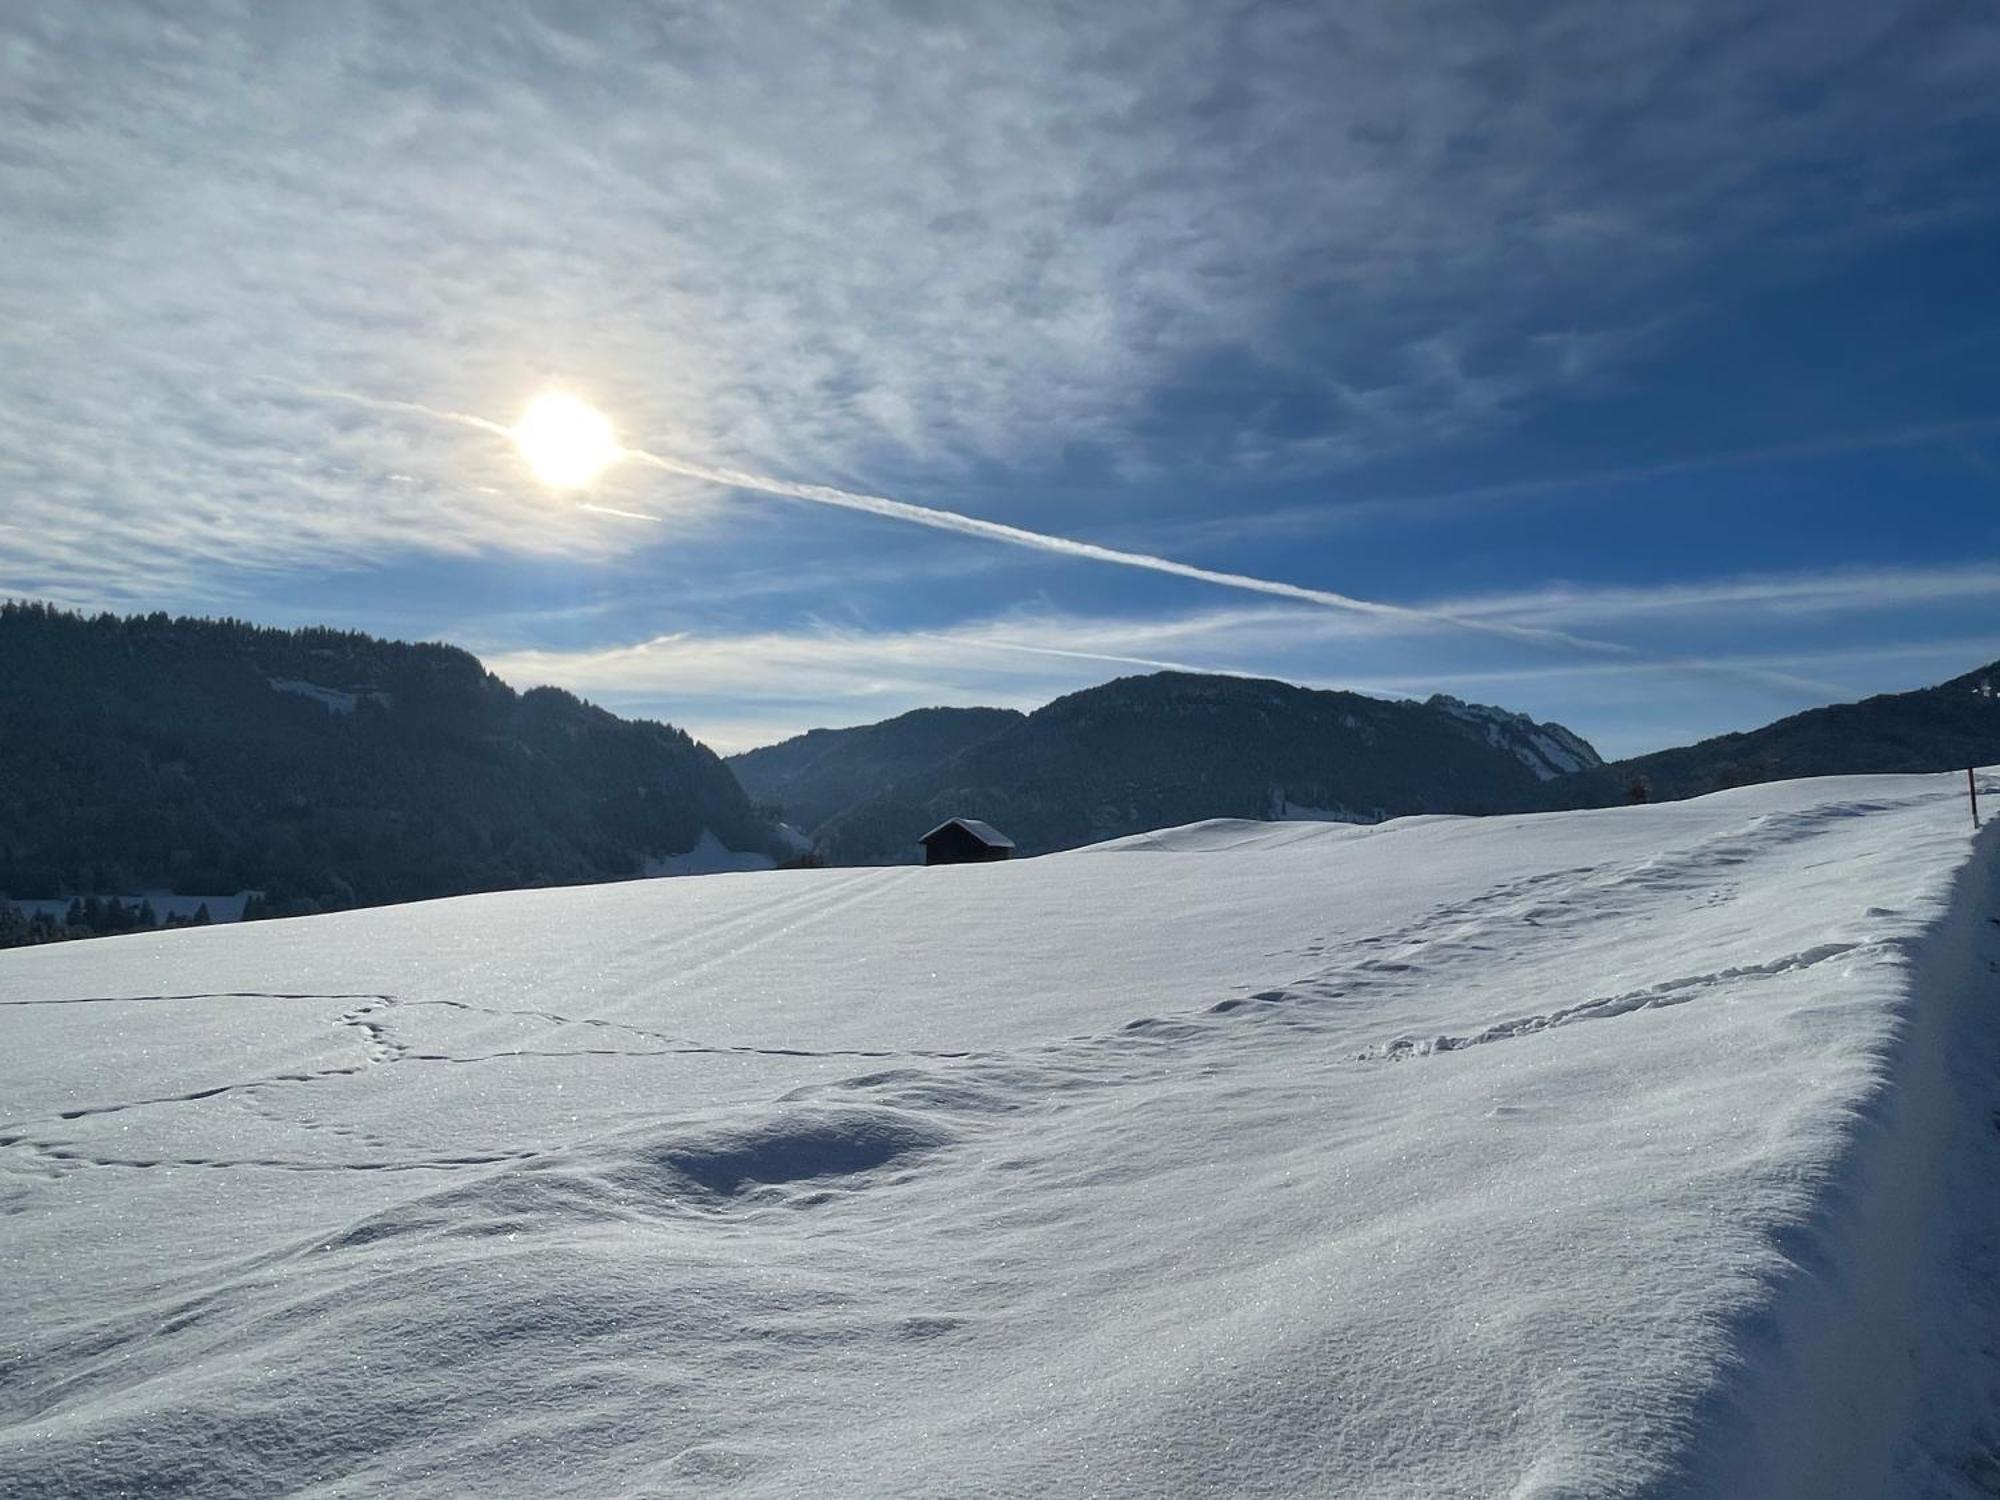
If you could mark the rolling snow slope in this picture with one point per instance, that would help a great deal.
(1640, 1152)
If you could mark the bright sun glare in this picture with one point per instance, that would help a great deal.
(566, 441)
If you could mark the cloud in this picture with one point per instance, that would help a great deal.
(872, 245)
(1040, 541)
(1841, 591)
(759, 686)
(958, 523)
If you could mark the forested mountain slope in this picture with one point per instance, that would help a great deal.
(327, 768)
(811, 777)
(1174, 747)
(1943, 728)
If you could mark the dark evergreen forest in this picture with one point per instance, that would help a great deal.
(325, 768)
(1944, 728)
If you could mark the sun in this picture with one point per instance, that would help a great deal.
(566, 441)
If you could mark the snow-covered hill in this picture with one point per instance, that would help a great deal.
(1643, 1152)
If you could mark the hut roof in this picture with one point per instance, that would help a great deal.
(986, 833)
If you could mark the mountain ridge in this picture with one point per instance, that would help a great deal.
(1151, 751)
(1945, 727)
(810, 777)
(326, 768)
(330, 768)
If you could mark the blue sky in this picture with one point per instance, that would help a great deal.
(1644, 356)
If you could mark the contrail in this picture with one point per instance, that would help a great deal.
(988, 643)
(1041, 541)
(612, 510)
(407, 408)
(1015, 536)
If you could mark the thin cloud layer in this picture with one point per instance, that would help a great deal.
(1732, 638)
(867, 242)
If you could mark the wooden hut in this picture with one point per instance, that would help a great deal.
(965, 841)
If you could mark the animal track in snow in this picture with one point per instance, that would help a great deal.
(374, 1022)
(1653, 997)
(381, 1048)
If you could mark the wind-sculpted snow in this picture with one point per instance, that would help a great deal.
(1190, 1164)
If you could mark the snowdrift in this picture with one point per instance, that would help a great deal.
(1646, 1152)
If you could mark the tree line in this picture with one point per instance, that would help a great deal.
(90, 916)
(328, 769)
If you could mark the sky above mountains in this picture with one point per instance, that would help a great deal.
(1644, 355)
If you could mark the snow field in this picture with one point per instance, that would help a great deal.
(1595, 1154)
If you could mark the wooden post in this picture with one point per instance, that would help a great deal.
(1972, 791)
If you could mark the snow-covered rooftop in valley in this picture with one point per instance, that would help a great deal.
(1646, 1152)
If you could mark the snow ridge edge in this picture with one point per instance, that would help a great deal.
(1840, 1388)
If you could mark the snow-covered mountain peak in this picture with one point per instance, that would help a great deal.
(1547, 749)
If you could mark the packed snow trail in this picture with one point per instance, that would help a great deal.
(1646, 1152)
